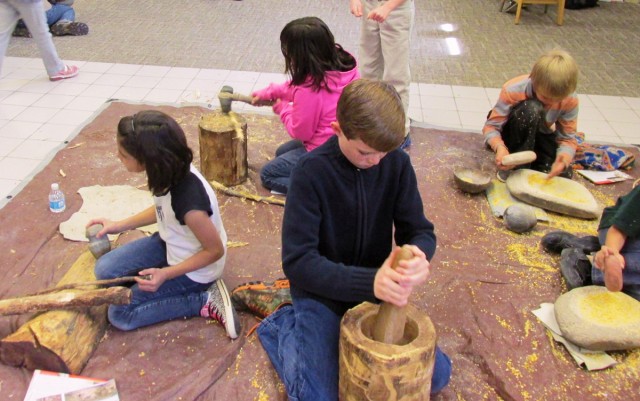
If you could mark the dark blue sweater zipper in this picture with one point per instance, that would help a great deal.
(361, 213)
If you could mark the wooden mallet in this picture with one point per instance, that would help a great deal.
(226, 96)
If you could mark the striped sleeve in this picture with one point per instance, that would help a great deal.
(513, 92)
(567, 125)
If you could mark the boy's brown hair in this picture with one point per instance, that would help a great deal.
(555, 74)
(372, 112)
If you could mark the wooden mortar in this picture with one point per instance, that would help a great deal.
(386, 351)
(374, 371)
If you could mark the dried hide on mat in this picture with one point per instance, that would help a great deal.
(112, 202)
(485, 280)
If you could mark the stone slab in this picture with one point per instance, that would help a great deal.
(594, 318)
(560, 195)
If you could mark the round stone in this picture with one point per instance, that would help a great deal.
(520, 218)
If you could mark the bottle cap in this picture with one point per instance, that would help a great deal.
(55, 186)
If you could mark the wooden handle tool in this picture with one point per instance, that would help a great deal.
(113, 281)
(390, 321)
(518, 158)
(249, 99)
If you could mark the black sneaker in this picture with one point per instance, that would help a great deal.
(556, 241)
(502, 175)
(568, 173)
(69, 28)
(575, 267)
(218, 307)
(21, 32)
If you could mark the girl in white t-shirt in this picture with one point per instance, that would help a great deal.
(184, 260)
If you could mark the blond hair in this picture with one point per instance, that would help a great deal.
(555, 74)
(372, 112)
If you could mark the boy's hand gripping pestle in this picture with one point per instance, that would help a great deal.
(390, 321)
(518, 158)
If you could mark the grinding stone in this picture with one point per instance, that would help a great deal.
(596, 319)
(560, 195)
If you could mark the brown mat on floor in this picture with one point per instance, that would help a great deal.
(484, 284)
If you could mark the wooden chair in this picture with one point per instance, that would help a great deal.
(546, 3)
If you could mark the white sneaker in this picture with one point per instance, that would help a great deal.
(218, 307)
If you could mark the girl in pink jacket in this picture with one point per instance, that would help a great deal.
(319, 70)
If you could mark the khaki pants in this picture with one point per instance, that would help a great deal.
(384, 48)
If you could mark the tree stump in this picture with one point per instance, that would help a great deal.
(223, 148)
(372, 370)
(61, 340)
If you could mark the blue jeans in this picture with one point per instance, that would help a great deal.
(276, 174)
(177, 298)
(631, 273)
(60, 13)
(302, 343)
(406, 144)
(34, 17)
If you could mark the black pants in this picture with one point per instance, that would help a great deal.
(526, 129)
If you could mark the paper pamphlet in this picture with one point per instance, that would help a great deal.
(604, 177)
(54, 386)
(592, 360)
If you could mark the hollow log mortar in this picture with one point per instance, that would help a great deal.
(375, 370)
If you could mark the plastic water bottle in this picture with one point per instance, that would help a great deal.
(57, 203)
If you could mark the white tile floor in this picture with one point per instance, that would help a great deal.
(38, 117)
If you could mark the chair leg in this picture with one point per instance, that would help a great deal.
(560, 18)
(518, 11)
(502, 5)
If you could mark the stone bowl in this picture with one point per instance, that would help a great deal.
(472, 181)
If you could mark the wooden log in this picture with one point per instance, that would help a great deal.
(223, 148)
(60, 341)
(391, 319)
(246, 195)
(71, 299)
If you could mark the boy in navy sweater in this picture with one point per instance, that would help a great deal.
(349, 200)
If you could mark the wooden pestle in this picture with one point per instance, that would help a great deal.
(390, 321)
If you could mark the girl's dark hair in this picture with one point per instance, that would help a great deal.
(310, 51)
(157, 142)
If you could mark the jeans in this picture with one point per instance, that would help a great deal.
(406, 144)
(60, 13)
(34, 17)
(177, 298)
(276, 174)
(631, 273)
(302, 344)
